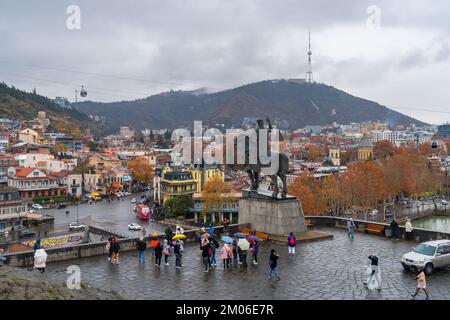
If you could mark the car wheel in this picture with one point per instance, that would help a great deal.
(429, 269)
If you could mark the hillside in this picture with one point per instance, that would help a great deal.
(296, 104)
(21, 284)
(23, 105)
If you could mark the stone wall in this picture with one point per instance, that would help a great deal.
(273, 216)
(24, 259)
(419, 235)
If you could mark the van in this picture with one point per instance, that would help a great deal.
(96, 196)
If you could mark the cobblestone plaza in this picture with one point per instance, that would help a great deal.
(328, 269)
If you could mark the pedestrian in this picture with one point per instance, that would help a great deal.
(291, 244)
(273, 264)
(214, 246)
(394, 229)
(235, 251)
(206, 255)
(115, 251)
(109, 247)
(6, 235)
(254, 251)
(211, 231)
(169, 234)
(40, 259)
(158, 254)
(153, 245)
(37, 245)
(225, 256)
(350, 227)
(2, 258)
(141, 246)
(409, 229)
(421, 284)
(374, 279)
(226, 223)
(166, 251)
(177, 252)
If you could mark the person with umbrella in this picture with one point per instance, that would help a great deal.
(158, 254)
(225, 254)
(243, 246)
(254, 250)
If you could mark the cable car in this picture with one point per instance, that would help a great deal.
(434, 145)
(83, 92)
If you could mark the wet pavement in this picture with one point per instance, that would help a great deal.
(329, 269)
(113, 216)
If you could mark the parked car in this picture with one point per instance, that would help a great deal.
(74, 226)
(37, 206)
(444, 202)
(133, 200)
(134, 226)
(62, 206)
(348, 212)
(373, 213)
(428, 256)
(127, 193)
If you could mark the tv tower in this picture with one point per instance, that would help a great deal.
(309, 73)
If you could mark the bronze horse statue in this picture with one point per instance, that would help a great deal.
(254, 171)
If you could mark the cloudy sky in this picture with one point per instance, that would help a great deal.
(130, 49)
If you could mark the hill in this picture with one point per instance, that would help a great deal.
(296, 104)
(18, 104)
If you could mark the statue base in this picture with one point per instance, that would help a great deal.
(271, 215)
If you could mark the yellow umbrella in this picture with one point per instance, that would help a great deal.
(155, 234)
(179, 236)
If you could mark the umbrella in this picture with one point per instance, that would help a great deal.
(243, 244)
(239, 235)
(154, 234)
(226, 239)
(254, 238)
(179, 236)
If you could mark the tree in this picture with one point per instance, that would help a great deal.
(314, 153)
(383, 150)
(212, 193)
(141, 170)
(178, 205)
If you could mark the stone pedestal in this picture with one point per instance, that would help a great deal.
(271, 215)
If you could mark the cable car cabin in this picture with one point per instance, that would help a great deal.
(83, 92)
(143, 212)
(434, 145)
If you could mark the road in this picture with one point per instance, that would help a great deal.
(113, 216)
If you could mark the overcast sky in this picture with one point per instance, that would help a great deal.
(131, 49)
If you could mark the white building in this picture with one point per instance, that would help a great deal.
(397, 138)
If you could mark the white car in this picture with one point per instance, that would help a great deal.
(428, 256)
(37, 206)
(127, 193)
(133, 200)
(75, 226)
(444, 202)
(373, 213)
(134, 226)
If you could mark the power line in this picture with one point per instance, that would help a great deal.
(97, 74)
(417, 109)
(75, 85)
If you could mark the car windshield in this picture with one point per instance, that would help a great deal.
(425, 249)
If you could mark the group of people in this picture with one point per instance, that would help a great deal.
(394, 229)
(113, 247)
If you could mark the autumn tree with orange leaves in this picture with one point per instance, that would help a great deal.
(141, 170)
